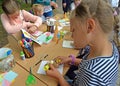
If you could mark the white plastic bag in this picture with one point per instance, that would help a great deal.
(6, 59)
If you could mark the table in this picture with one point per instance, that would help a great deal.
(22, 77)
(53, 50)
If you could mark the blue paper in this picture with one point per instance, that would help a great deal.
(10, 76)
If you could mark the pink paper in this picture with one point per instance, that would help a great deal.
(6, 83)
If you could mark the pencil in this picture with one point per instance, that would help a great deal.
(41, 60)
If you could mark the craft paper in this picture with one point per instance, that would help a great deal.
(68, 44)
(10, 76)
(41, 68)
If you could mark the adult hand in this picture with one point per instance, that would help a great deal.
(53, 72)
(32, 29)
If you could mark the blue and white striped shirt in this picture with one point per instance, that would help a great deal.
(99, 71)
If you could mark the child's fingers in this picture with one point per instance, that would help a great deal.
(52, 67)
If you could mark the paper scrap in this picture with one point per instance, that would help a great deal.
(6, 83)
(41, 68)
(64, 22)
(68, 44)
(45, 38)
(10, 76)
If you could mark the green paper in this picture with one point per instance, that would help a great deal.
(30, 80)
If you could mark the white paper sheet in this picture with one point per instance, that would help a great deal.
(41, 68)
(67, 44)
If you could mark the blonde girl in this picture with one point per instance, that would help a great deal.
(91, 24)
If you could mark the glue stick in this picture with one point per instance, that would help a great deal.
(22, 55)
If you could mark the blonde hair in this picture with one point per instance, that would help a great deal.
(37, 8)
(10, 6)
(99, 10)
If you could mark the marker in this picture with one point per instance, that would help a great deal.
(21, 43)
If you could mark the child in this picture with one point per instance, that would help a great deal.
(99, 67)
(48, 12)
(38, 11)
(13, 19)
(75, 4)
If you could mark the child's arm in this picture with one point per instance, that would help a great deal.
(37, 21)
(10, 28)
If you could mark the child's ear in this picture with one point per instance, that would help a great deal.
(90, 25)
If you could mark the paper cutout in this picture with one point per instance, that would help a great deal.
(41, 68)
(68, 44)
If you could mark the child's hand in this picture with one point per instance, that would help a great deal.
(53, 72)
(64, 60)
(32, 29)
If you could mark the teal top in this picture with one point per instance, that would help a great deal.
(43, 2)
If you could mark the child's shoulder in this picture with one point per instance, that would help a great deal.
(3, 15)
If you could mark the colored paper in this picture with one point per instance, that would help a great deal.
(6, 83)
(68, 44)
(10, 76)
(40, 39)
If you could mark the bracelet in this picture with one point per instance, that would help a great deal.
(73, 59)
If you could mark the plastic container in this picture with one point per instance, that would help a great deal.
(6, 59)
(4, 52)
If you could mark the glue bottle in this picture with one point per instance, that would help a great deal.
(22, 55)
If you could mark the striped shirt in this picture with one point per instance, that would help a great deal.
(99, 71)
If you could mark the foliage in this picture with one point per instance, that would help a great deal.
(23, 5)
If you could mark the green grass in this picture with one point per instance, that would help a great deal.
(23, 6)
